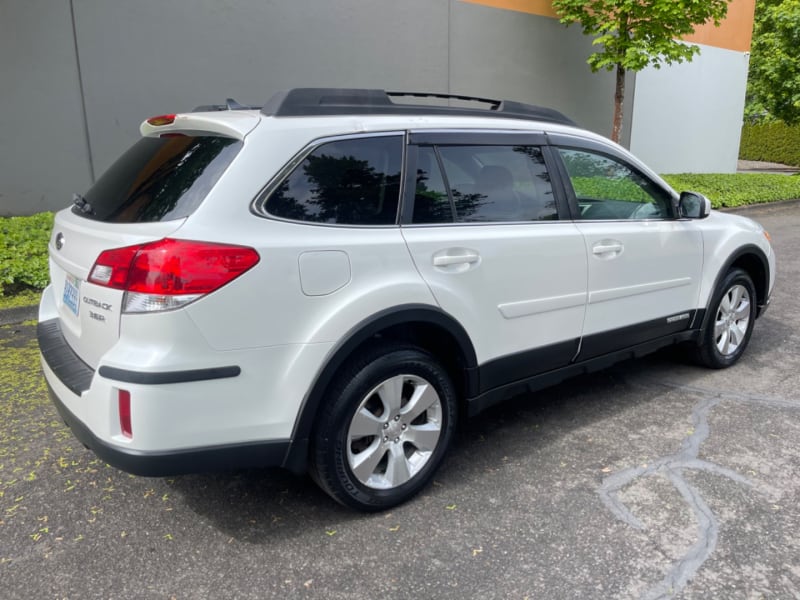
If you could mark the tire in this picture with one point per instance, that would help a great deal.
(730, 321)
(388, 422)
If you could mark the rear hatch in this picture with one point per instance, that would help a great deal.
(145, 196)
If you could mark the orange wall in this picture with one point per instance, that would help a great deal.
(536, 7)
(735, 33)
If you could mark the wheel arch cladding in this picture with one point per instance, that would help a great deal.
(752, 260)
(756, 266)
(425, 326)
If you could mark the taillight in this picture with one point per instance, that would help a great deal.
(161, 120)
(170, 273)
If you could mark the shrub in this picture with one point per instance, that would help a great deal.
(772, 142)
(23, 252)
(738, 189)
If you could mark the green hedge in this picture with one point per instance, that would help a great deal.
(738, 189)
(772, 142)
(23, 252)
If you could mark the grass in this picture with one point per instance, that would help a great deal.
(25, 297)
(23, 240)
(738, 189)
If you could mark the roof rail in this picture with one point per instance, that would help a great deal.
(303, 102)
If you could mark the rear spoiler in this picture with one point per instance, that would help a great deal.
(232, 124)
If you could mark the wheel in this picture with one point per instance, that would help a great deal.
(733, 312)
(389, 420)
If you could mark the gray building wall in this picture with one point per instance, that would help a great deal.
(121, 62)
(43, 153)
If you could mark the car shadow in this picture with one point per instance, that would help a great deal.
(260, 505)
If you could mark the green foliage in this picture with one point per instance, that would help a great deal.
(634, 35)
(23, 252)
(600, 188)
(773, 142)
(773, 86)
(738, 189)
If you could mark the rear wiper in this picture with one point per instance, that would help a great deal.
(82, 204)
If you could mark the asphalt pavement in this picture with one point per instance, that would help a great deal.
(653, 479)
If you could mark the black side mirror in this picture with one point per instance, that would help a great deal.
(694, 206)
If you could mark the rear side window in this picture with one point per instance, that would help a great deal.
(485, 183)
(346, 182)
(159, 179)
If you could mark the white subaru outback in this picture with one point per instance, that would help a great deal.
(327, 282)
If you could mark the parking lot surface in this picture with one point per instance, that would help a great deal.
(653, 479)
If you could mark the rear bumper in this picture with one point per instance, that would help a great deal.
(178, 462)
(66, 374)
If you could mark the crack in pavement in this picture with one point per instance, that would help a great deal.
(672, 467)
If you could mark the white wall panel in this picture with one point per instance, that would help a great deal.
(687, 118)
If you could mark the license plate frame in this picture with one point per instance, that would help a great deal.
(72, 292)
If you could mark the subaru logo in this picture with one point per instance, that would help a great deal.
(59, 241)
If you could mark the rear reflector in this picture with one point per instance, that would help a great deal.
(170, 273)
(125, 413)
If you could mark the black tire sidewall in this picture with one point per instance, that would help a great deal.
(710, 355)
(330, 454)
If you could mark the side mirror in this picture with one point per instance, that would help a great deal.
(694, 206)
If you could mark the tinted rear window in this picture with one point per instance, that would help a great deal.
(345, 182)
(159, 179)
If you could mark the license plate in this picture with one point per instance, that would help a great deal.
(72, 287)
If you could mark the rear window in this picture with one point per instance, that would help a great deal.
(159, 179)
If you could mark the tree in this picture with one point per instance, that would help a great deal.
(635, 34)
(773, 85)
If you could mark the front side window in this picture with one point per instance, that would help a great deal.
(482, 184)
(605, 188)
(346, 182)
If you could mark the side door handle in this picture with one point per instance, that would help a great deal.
(607, 248)
(456, 259)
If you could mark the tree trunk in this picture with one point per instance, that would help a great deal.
(619, 97)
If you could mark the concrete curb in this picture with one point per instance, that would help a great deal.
(12, 316)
